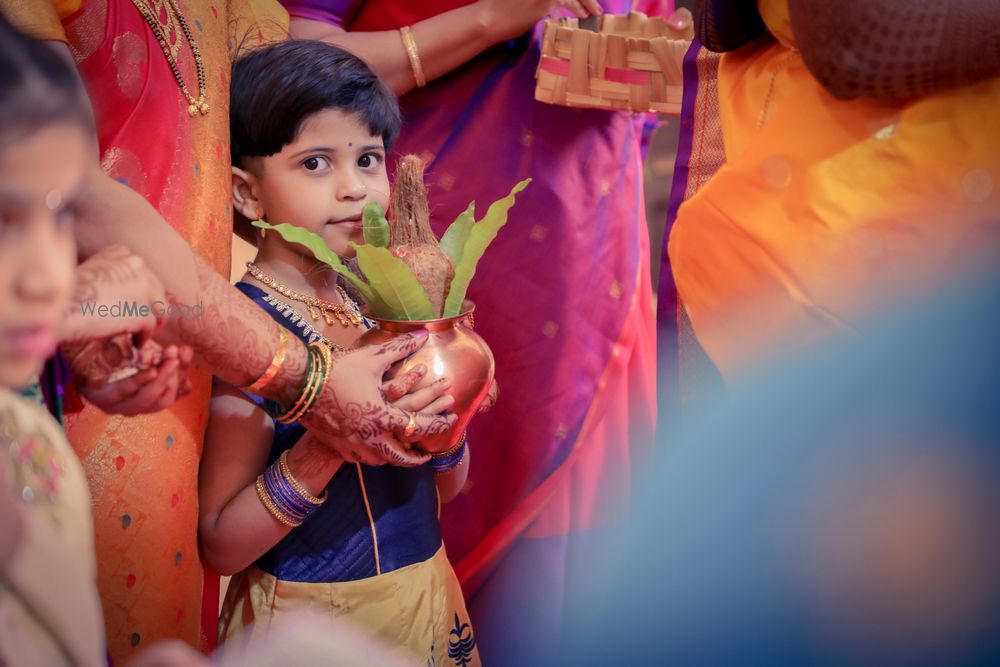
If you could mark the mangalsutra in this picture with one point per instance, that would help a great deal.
(347, 313)
(151, 10)
(775, 70)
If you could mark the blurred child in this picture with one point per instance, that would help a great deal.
(311, 125)
(48, 595)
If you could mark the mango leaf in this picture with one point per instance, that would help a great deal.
(375, 226)
(398, 294)
(315, 243)
(480, 236)
(453, 241)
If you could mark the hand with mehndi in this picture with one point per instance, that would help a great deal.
(410, 392)
(149, 380)
(116, 365)
(353, 417)
(115, 275)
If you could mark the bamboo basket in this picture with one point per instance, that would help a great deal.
(632, 63)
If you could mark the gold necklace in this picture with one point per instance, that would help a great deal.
(174, 18)
(347, 313)
(308, 331)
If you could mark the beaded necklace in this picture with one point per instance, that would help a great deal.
(163, 18)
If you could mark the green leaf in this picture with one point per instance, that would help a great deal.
(453, 241)
(375, 226)
(315, 243)
(480, 236)
(401, 297)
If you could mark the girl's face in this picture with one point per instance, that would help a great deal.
(40, 177)
(322, 180)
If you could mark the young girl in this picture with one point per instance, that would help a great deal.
(48, 592)
(311, 125)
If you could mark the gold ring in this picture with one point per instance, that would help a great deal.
(411, 425)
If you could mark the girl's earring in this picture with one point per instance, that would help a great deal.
(263, 232)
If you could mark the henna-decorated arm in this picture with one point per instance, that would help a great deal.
(112, 276)
(236, 340)
(351, 405)
(892, 50)
(233, 338)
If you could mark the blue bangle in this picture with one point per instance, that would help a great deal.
(285, 497)
(447, 462)
(279, 497)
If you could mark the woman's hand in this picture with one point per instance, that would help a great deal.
(682, 22)
(491, 398)
(507, 19)
(145, 391)
(353, 417)
(411, 392)
(115, 276)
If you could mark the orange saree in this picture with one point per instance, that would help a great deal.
(825, 209)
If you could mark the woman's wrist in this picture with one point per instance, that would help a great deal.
(487, 24)
(287, 384)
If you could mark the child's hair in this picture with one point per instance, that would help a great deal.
(37, 87)
(276, 87)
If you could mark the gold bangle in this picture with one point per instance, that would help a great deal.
(269, 505)
(448, 452)
(411, 52)
(274, 366)
(303, 492)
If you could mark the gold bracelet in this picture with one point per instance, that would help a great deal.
(448, 452)
(327, 355)
(269, 505)
(274, 366)
(288, 415)
(303, 492)
(411, 52)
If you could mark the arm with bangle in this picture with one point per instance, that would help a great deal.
(413, 55)
(451, 470)
(247, 506)
(240, 343)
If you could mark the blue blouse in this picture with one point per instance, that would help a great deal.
(397, 507)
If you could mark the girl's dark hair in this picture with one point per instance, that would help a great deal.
(276, 87)
(37, 86)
